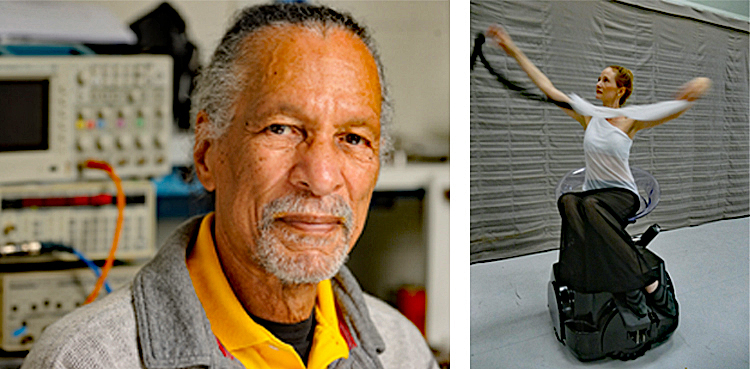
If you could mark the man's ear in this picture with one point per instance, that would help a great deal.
(202, 150)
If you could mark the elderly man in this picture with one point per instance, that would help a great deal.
(289, 116)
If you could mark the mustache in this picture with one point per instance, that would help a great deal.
(302, 203)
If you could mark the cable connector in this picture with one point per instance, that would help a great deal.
(27, 248)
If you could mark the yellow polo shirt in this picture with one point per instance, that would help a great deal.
(246, 340)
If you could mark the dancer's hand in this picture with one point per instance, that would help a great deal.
(694, 89)
(501, 38)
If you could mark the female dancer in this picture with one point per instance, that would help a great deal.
(596, 254)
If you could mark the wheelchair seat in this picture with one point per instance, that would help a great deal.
(597, 325)
(648, 188)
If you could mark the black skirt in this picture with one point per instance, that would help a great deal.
(596, 254)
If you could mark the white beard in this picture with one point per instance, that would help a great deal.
(308, 266)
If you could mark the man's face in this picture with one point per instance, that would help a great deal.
(295, 171)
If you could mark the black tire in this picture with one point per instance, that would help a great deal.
(631, 354)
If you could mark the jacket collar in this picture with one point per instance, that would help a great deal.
(173, 330)
(350, 300)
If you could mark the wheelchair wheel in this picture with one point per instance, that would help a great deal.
(631, 354)
(668, 324)
(557, 335)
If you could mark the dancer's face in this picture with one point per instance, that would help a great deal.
(606, 88)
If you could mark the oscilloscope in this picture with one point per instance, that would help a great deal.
(57, 112)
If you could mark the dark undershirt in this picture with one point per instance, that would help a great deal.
(298, 335)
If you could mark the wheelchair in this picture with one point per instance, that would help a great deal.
(596, 325)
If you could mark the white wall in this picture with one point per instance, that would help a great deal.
(413, 39)
(413, 42)
(740, 9)
(205, 20)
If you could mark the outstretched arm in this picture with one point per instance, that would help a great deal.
(503, 40)
(690, 91)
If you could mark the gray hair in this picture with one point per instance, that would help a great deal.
(219, 84)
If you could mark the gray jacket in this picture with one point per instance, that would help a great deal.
(158, 322)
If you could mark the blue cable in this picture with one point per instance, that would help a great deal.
(19, 331)
(89, 263)
(93, 267)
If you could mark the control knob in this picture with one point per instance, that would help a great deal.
(136, 95)
(85, 143)
(83, 77)
(124, 141)
(141, 142)
(104, 142)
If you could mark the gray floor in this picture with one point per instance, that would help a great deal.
(511, 326)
